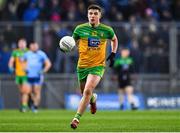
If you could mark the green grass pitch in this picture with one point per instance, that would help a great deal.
(102, 121)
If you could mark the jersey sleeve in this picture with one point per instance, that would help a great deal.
(24, 58)
(111, 33)
(76, 33)
(13, 53)
(44, 56)
(117, 63)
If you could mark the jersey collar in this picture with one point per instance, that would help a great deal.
(94, 26)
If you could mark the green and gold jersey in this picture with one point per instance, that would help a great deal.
(19, 63)
(92, 44)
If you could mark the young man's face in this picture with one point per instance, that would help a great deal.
(94, 16)
(22, 44)
(125, 53)
(34, 47)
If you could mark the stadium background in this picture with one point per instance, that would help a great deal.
(150, 28)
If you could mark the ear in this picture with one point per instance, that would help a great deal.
(100, 15)
(87, 13)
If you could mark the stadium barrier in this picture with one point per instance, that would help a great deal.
(105, 101)
(57, 85)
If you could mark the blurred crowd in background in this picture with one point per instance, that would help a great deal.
(75, 10)
(149, 43)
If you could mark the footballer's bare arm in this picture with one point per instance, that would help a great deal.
(114, 44)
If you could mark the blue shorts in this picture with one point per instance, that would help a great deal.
(35, 80)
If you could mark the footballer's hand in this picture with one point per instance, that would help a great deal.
(26, 71)
(42, 72)
(111, 58)
(11, 69)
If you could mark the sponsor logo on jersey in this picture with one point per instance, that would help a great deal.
(93, 42)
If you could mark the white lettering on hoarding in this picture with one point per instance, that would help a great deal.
(166, 102)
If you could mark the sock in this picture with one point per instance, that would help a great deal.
(78, 116)
(121, 106)
(35, 107)
(30, 102)
(92, 98)
(133, 107)
(24, 105)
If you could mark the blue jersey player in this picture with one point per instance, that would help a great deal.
(37, 63)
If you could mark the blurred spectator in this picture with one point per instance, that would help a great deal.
(81, 11)
(31, 13)
(124, 7)
(2, 9)
(164, 10)
(63, 31)
(72, 14)
(114, 10)
(106, 5)
(4, 58)
(22, 6)
(48, 41)
(151, 15)
(11, 10)
(70, 10)
(136, 55)
(55, 11)
(9, 35)
(2, 4)
(5, 54)
(115, 15)
(176, 10)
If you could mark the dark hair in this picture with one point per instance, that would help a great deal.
(93, 6)
(32, 42)
(22, 39)
(124, 48)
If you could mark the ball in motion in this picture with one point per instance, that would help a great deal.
(67, 43)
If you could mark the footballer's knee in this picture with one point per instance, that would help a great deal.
(87, 92)
(25, 91)
(37, 94)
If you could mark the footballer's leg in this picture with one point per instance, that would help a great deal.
(92, 100)
(23, 99)
(82, 85)
(121, 98)
(91, 83)
(37, 85)
(25, 91)
(19, 85)
(75, 121)
(130, 95)
(30, 100)
(93, 107)
(37, 97)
